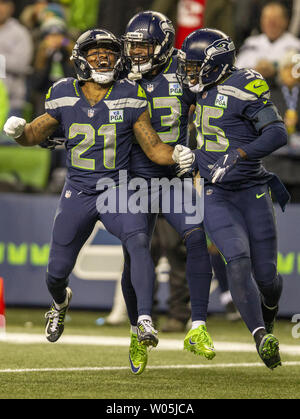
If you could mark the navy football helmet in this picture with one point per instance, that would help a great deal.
(205, 56)
(155, 33)
(94, 39)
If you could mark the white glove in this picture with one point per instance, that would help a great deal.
(183, 156)
(14, 127)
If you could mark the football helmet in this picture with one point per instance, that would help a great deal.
(155, 33)
(105, 70)
(205, 56)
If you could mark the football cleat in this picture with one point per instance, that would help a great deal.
(268, 350)
(199, 342)
(146, 333)
(138, 355)
(55, 319)
(269, 316)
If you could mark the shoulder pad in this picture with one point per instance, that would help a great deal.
(132, 88)
(63, 87)
(246, 85)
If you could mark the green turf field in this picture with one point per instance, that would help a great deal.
(91, 362)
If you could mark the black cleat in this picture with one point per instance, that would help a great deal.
(268, 350)
(55, 319)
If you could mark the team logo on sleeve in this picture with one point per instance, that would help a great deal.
(175, 89)
(116, 116)
(221, 101)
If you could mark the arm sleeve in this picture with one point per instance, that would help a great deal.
(272, 137)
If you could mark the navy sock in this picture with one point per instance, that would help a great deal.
(142, 273)
(244, 292)
(57, 288)
(198, 273)
(128, 290)
(272, 293)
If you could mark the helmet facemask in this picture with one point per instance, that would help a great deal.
(141, 57)
(198, 75)
(105, 62)
(154, 53)
(99, 60)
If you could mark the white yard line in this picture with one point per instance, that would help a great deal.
(156, 367)
(164, 344)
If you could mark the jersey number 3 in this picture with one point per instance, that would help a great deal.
(109, 149)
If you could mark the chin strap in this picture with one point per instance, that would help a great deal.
(134, 76)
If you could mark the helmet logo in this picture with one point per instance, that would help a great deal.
(219, 47)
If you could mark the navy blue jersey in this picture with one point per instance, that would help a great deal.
(169, 107)
(223, 120)
(99, 138)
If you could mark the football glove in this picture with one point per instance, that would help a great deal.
(52, 143)
(183, 156)
(224, 165)
(14, 127)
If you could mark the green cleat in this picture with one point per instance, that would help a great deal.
(138, 355)
(268, 350)
(199, 342)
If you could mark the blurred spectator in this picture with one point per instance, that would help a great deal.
(31, 14)
(286, 93)
(294, 27)
(17, 48)
(273, 42)
(52, 60)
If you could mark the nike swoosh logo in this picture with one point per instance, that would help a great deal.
(191, 342)
(134, 369)
(257, 86)
(259, 196)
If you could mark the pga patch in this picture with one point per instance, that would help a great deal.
(175, 89)
(116, 116)
(221, 101)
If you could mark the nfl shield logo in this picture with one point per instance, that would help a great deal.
(150, 88)
(68, 194)
(91, 113)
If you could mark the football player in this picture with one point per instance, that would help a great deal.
(98, 115)
(152, 63)
(237, 125)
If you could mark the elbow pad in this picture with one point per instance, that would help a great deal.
(265, 117)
